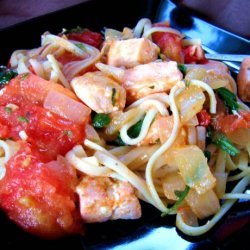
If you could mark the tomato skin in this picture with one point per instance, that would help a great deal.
(170, 44)
(86, 36)
(204, 118)
(40, 196)
(229, 123)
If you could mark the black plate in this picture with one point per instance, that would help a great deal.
(151, 232)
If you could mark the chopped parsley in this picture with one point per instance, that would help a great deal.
(8, 110)
(100, 120)
(228, 98)
(6, 75)
(181, 195)
(182, 68)
(113, 96)
(207, 154)
(81, 46)
(187, 83)
(133, 132)
(222, 142)
(23, 119)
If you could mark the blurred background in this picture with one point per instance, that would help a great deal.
(232, 15)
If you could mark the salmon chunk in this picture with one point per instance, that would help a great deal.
(243, 80)
(132, 52)
(150, 78)
(103, 198)
(98, 91)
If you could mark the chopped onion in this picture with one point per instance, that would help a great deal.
(66, 107)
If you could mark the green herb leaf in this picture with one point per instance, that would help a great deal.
(8, 110)
(228, 98)
(23, 119)
(135, 130)
(207, 154)
(6, 75)
(81, 46)
(223, 142)
(181, 195)
(187, 83)
(113, 96)
(162, 57)
(100, 120)
(182, 68)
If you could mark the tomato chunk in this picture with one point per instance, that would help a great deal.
(229, 123)
(204, 118)
(86, 36)
(170, 44)
(48, 132)
(38, 196)
(194, 54)
(67, 57)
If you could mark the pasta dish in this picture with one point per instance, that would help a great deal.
(91, 123)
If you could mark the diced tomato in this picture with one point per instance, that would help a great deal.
(86, 36)
(170, 44)
(229, 123)
(194, 54)
(67, 57)
(40, 196)
(29, 88)
(48, 132)
(204, 118)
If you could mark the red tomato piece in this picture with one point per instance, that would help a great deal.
(170, 44)
(67, 57)
(38, 196)
(29, 88)
(194, 54)
(204, 118)
(229, 123)
(48, 132)
(86, 36)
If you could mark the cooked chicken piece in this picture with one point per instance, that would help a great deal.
(150, 78)
(243, 80)
(101, 93)
(132, 52)
(103, 198)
